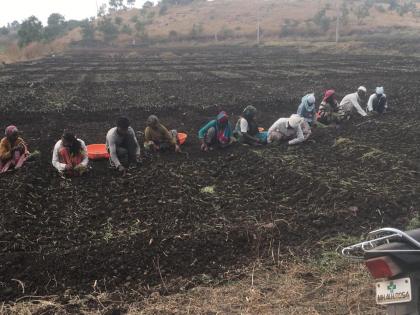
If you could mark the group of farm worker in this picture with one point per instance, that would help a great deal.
(70, 156)
(296, 128)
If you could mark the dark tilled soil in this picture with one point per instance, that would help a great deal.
(156, 229)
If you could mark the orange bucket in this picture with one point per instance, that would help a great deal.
(182, 137)
(97, 151)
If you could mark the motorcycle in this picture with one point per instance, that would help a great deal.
(393, 259)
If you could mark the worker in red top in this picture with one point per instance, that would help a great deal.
(70, 156)
(328, 110)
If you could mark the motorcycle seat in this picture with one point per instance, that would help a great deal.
(410, 260)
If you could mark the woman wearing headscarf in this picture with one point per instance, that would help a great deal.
(328, 110)
(247, 128)
(217, 132)
(377, 101)
(70, 156)
(293, 129)
(13, 150)
(306, 109)
(157, 137)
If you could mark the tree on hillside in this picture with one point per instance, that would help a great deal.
(56, 26)
(140, 28)
(345, 12)
(30, 31)
(362, 12)
(148, 5)
(163, 9)
(197, 30)
(102, 10)
(393, 4)
(14, 26)
(407, 7)
(116, 5)
(126, 29)
(179, 2)
(131, 3)
(88, 30)
(118, 20)
(4, 31)
(109, 29)
(322, 20)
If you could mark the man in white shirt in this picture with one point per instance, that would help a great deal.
(295, 129)
(352, 103)
(377, 101)
(122, 144)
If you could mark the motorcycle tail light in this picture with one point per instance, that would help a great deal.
(382, 267)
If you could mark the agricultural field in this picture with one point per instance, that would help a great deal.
(183, 221)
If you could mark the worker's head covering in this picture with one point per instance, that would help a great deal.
(294, 121)
(152, 120)
(222, 117)
(308, 102)
(224, 130)
(10, 131)
(249, 111)
(311, 99)
(362, 89)
(328, 94)
(379, 90)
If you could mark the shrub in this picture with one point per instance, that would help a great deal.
(126, 29)
(173, 35)
(197, 30)
(4, 31)
(290, 27)
(109, 29)
(226, 33)
(134, 19)
(163, 10)
(118, 20)
(88, 30)
(140, 28)
(380, 8)
(321, 20)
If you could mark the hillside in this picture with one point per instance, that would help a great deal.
(221, 19)
(232, 20)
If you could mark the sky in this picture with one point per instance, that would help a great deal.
(19, 10)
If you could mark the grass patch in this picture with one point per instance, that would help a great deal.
(372, 154)
(208, 190)
(342, 141)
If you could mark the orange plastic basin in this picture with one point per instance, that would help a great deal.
(97, 151)
(182, 137)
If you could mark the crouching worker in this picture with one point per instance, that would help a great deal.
(247, 129)
(217, 132)
(306, 109)
(122, 144)
(328, 110)
(377, 102)
(294, 129)
(351, 104)
(158, 138)
(70, 156)
(13, 150)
